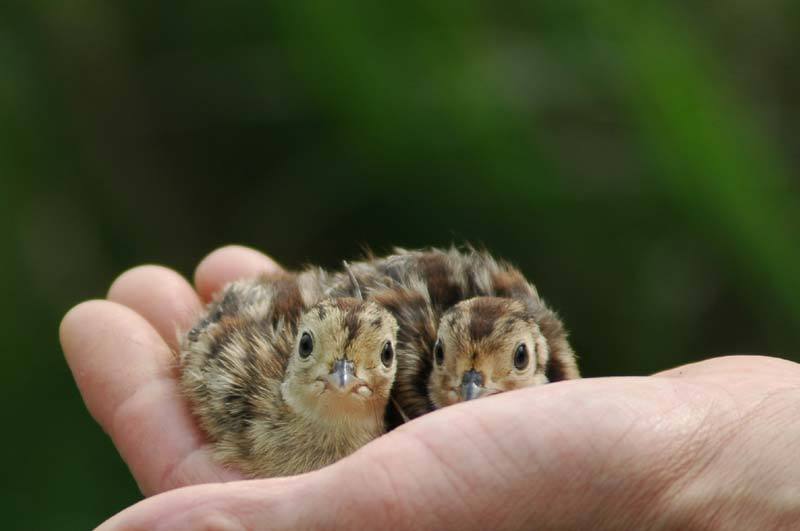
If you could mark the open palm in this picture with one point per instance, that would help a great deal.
(710, 445)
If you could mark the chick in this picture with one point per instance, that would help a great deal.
(487, 345)
(470, 326)
(285, 383)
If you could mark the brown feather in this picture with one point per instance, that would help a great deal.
(260, 405)
(424, 288)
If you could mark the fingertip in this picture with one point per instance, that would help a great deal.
(230, 263)
(131, 285)
(121, 284)
(98, 338)
(73, 322)
(723, 366)
(160, 295)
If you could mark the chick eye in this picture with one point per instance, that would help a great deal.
(438, 352)
(387, 354)
(521, 357)
(306, 345)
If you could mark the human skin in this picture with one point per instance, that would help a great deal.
(711, 445)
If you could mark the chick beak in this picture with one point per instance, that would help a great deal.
(343, 374)
(471, 385)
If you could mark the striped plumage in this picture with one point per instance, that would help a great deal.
(266, 408)
(461, 321)
(480, 309)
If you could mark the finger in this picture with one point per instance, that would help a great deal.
(124, 371)
(160, 295)
(214, 506)
(544, 458)
(740, 375)
(725, 365)
(228, 264)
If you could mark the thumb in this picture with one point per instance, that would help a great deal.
(538, 457)
(281, 503)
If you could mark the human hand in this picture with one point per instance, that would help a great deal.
(120, 351)
(711, 445)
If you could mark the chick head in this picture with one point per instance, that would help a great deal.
(485, 346)
(343, 363)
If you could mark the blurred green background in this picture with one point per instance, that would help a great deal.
(638, 160)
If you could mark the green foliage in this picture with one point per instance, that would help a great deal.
(637, 160)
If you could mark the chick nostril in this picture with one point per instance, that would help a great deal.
(472, 377)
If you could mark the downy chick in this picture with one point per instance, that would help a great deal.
(285, 383)
(470, 326)
(488, 345)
